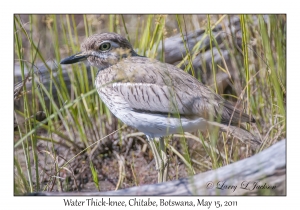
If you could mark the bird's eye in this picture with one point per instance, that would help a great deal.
(105, 46)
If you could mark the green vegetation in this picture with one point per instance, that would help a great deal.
(79, 141)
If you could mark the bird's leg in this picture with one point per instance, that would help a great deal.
(155, 152)
(164, 158)
(157, 158)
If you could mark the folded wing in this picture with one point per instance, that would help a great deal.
(163, 88)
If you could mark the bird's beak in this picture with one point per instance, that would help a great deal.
(74, 58)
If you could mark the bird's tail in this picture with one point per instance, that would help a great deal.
(239, 133)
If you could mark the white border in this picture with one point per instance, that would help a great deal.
(153, 6)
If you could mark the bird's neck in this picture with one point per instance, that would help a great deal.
(121, 57)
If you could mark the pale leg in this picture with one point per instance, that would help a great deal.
(161, 159)
(165, 160)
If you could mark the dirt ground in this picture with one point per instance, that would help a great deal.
(113, 158)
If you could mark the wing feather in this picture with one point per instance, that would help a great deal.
(159, 87)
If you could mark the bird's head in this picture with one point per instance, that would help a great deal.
(102, 50)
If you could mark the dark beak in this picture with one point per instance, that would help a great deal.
(74, 58)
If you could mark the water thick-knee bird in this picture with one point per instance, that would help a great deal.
(156, 98)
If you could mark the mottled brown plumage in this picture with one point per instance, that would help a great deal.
(150, 86)
(155, 97)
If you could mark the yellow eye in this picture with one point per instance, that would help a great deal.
(105, 46)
